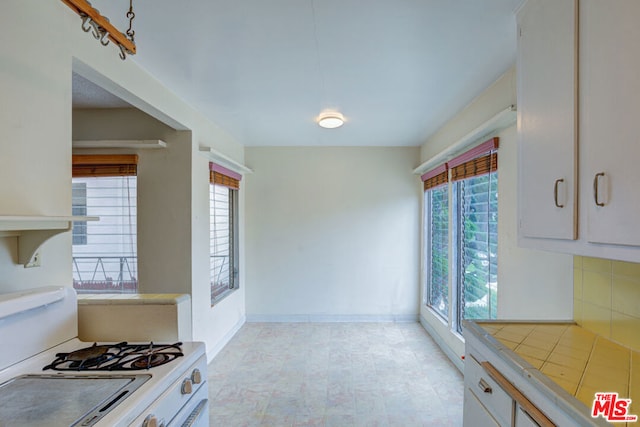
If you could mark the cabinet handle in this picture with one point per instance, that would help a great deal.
(555, 192)
(595, 188)
(484, 386)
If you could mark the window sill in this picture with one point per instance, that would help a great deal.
(223, 296)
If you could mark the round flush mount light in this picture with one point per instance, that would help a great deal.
(330, 120)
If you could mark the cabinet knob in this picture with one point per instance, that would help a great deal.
(152, 421)
(187, 386)
(196, 376)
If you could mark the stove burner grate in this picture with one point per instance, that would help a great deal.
(116, 357)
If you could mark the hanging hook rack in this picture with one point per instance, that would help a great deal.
(103, 30)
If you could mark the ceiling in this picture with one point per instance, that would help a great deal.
(264, 70)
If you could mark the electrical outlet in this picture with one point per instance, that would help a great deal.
(35, 261)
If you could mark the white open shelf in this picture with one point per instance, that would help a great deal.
(33, 231)
(119, 143)
(223, 160)
(502, 120)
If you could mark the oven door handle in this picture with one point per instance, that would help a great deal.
(196, 414)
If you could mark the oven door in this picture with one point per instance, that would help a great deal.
(195, 413)
(181, 402)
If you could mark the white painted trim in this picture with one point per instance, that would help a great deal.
(224, 160)
(335, 318)
(503, 119)
(213, 351)
(443, 346)
(119, 143)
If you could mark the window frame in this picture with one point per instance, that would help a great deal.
(96, 167)
(428, 249)
(221, 177)
(477, 161)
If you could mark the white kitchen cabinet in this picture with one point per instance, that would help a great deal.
(486, 400)
(523, 419)
(602, 145)
(475, 413)
(546, 70)
(610, 113)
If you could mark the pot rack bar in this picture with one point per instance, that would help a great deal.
(83, 7)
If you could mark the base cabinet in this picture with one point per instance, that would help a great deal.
(492, 400)
(523, 419)
(475, 413)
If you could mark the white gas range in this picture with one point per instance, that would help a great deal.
(50, 378)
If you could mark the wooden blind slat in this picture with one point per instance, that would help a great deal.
(221, 179)
(476, 167)
(437, 180)
(97, 165)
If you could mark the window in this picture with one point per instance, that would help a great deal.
(477, 246)
(79, 208)
(223, 221)
(437, 245)
(471, 275)
(105, 251)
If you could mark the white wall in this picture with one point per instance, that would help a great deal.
(531, 284)
(42, 44)
(332, 234)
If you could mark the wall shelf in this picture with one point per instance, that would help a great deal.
(223, 160)
(502, 120)
(33, 231)
(119, 143)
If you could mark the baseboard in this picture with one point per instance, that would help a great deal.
(455, 359)
(213, 351)
(332, 318)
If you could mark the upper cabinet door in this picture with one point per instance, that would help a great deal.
(610, 119)
(547, 119)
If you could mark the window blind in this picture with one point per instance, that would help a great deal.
(220, 175)
(100, 165)
(436, 177)
(478, 161)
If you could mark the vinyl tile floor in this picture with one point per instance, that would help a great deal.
(334, 374)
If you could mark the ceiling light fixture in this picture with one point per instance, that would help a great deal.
(330, 120)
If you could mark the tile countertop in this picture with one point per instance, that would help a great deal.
(579, 361)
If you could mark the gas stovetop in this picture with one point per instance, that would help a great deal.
(103, 384)
(116, 357)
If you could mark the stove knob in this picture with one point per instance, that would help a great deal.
(187, 386)
(152, 421)
(196, 376)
